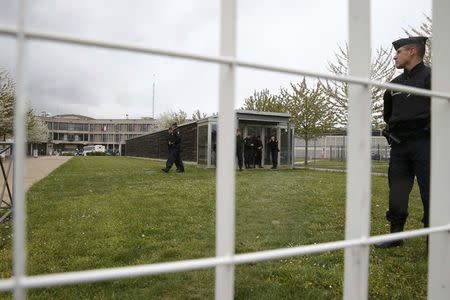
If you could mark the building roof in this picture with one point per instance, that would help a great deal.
(74, 117)
(71, 116)
(262, 113)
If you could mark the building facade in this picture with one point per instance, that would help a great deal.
(70, 132)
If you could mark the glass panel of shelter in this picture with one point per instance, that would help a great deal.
(202, 145)
(265, 132)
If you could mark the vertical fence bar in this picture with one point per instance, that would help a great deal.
(19, 215)
(225, 183)
(439, 252)
(358, 176)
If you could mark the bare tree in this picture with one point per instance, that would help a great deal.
(197, 115)
(425, 29)
(382, 69)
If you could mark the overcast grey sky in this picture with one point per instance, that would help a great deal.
(64, 78)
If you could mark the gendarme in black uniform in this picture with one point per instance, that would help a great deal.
(408, 119)
(174, 147)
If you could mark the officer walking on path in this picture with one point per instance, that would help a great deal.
(408, 131)
(174, 144)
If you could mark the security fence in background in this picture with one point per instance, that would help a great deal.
(335, 148)
(357, 237)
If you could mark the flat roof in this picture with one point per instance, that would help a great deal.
(263, 113)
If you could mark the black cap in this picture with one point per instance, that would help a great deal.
(421, 40)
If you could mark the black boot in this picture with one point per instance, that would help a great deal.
(394, 243)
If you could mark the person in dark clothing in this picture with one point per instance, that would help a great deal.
(248, 152)
(239, 148)
(178, 161)
(258, 152)
(273, 146)
(408, 131)
(174, 143)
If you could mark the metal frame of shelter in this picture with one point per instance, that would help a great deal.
(357, 233)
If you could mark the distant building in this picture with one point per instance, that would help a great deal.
(70, 132)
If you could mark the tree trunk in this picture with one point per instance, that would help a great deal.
(306, 150)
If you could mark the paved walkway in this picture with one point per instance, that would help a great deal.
(36, 168)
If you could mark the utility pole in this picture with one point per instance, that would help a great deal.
(153, 102)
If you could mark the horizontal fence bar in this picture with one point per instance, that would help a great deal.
(70, 278)
(136, 48)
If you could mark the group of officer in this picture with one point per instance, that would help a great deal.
(249, 151)
(174, 147)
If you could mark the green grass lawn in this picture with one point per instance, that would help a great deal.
(100, 212)
(377, 166)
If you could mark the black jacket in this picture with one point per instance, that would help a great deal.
(273, 145)
(174, 140)
(404, 110)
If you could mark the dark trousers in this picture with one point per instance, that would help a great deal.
(239, 158)
(409, 159)
(274, 156)
(249, 158)
(258, 157)
(174, 157)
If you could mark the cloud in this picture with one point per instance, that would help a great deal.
(102, 83)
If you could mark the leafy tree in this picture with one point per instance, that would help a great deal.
(382, 69)
(7, 100)
(37, 129)
(309, 111)
(166, 119)
(264, 101)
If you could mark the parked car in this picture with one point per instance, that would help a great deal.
(375, 156)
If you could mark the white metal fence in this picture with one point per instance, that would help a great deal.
(358, 200)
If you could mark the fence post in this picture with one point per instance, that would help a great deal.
(357, 225)
(439, 251)
(225, 179)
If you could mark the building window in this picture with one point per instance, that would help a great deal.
(78, 127)
(63, 126)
